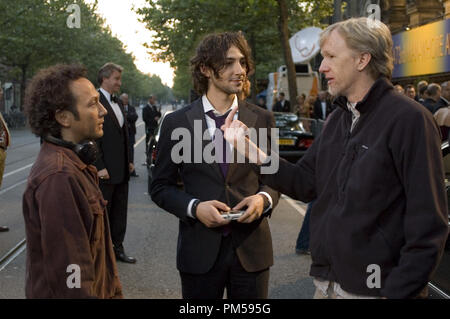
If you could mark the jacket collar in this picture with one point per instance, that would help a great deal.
(67, 153)
(380, 86)
(196, 112)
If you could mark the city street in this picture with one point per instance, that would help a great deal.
(151, 234)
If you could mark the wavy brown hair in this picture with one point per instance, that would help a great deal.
(48, 92)
(212, 53)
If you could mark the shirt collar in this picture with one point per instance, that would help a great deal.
(375, 93)
(352, 107)
(106, 94)
(207, 106)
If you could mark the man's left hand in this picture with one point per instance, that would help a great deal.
(255, 207)
(131, 167)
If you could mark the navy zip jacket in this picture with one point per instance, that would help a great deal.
(380, 193)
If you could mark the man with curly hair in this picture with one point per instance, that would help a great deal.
(214, 253)
(69, 248)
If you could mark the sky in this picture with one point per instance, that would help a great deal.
(124, 24)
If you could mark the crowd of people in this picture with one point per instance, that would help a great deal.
(433, 96)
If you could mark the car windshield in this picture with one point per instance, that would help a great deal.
(288, 125)
(291, 122)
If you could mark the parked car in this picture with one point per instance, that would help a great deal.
(151, 150)
(296, 135)
(439, 286)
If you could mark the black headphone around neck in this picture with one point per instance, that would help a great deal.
(87, 150)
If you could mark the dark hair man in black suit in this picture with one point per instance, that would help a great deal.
(214, 253)
(322, 106)
(132, 117)
(282, 104)
(114, 164)
(150, 116)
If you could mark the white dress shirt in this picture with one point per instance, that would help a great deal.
(207, 106)
(355, 114)
(324, 110)
(114, 106)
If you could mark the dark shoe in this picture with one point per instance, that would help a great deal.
(3, 228)
(302, 252)
(124, 258)
(133, 174)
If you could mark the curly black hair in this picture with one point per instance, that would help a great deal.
(48, 92)
(212, 53)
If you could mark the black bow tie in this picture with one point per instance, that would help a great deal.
(114, 99)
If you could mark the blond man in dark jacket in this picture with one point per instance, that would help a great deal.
(379, 220)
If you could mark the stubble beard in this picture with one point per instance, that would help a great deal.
(221, 84)
(333, 91)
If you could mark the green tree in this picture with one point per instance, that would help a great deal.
(34, 34)
(180, 24)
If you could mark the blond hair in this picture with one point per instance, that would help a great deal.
(365, 35)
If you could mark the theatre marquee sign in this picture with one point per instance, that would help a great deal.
(423, 50)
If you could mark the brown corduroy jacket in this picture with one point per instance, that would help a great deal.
(69, 248)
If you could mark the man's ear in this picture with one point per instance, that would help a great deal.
(205, 71)
(64, 118)
(363, 60)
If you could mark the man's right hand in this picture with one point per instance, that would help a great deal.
(103, 174)
(236, 133)
(208, 213)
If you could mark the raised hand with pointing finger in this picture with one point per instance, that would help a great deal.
(236, 133)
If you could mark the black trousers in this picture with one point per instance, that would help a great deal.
(117, 197)
(228, 273)
(149, 132)
(131, 141)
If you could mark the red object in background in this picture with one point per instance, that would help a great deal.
(305, 143)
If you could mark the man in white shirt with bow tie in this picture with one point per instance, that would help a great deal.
(114, 164)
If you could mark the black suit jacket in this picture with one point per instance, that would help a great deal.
(318, 114)
(442, 102)
(113, 146)
(430, 104)
(132, 117)
(198, 246)
(148, 116)
(279, 108)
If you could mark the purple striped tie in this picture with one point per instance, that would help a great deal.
(220, 120)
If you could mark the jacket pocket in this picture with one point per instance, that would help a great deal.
(357, 151)
(97, 208)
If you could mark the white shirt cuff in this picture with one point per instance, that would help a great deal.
(269, 198)
(189, 209)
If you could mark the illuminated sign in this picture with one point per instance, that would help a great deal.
(423, 50)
